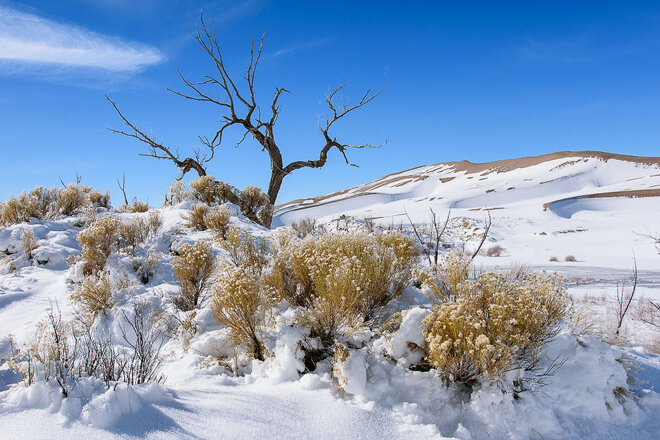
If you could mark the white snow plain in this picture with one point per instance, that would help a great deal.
(382, 398)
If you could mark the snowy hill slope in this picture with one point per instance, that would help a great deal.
(590, 204)
(275, 398)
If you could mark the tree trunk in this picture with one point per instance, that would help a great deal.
(274, 185)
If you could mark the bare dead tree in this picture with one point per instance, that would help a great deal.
(240, 108)
(624, 299)
(122, 187)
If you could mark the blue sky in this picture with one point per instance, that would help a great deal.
(467, 80)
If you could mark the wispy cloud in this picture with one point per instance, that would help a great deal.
(28, 39)
(307, 45)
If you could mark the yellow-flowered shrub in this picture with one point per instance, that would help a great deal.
(193, 269)
(444, 281)
(98, 241)
(342, 280)
(93, 295)
(496, 323)
(240, 304)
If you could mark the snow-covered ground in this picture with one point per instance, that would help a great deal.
(381, 398)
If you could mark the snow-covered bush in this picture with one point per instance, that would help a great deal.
(50, 356)
(193, 268)
(144, 267)
(64, 352)
(98, 199)
(304, 227)
(43, 203)
(494, 251)
(72, 198)
(133, 232)
(444, 281)
(38, 203)
(255, 205)
(29, 242)
(135, 207)
(210, 191)
(177, 193)
(217, 220)
(495, 323)
(244, 250)
(205, 189)
(195, 218)
(93, 295)
(341, 279)
(240, 305)
(98, 241)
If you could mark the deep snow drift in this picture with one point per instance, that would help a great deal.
(600, 390)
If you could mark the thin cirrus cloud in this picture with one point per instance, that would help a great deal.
(308, 45)
(30, 40)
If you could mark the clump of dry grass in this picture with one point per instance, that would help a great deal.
(497, 322)
(133, 233)
(144, 267)
(193, 269)
(40, 203)
(553, 259)
(569, 258)
(43, 203)
(98, 199)
(137, 230)
(72, 198)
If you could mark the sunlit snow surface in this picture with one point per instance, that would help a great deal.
(538, 212)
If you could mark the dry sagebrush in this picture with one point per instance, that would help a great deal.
(93, 296)
(43, 203)
(135, 207)
(195, 218)
(240, 304)
(244, 250)
(193, 269)
(29, 242)
(98, 242)
(495, 324)
(217, 220)
(135, 231)
(255, 205)
(210, 191)
(342, 280)
(444, 281)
